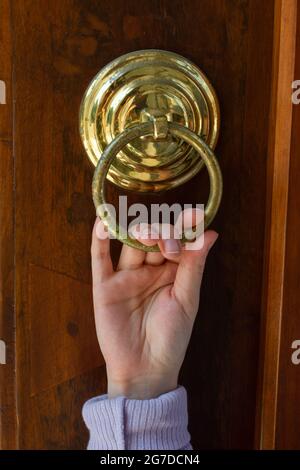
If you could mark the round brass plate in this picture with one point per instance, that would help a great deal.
(129, 90)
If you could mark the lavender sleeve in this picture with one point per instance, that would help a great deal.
(122, 423)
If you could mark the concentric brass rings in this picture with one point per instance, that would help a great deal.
(146, 129)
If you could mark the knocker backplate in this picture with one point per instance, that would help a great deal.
(129, 90)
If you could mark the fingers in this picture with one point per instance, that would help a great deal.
(168, 236)
(163, 275)
(131, 258)
(190, 272)
(100, 251)
(164, 236)
(155, 259)
(168, 239)
(170, 248)
(149, 237)
(152, 278)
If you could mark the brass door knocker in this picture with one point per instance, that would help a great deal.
(149, 121)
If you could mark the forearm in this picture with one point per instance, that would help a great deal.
(120, 423)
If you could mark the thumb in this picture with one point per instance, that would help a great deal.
(100, 252)
(190, 272)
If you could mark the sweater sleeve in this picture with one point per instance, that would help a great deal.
(121, 423)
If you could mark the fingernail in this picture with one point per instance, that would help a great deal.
(172, 246)
(101, 230)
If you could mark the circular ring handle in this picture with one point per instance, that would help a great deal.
(106, 159)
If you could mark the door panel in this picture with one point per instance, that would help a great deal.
(58, 47)
(61, 344)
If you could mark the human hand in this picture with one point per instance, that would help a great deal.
(145, 311)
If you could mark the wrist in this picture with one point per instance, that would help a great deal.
(140, 388)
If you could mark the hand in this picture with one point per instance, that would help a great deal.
(145, 310)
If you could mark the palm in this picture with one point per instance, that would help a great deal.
(139, 319)
(145, 310)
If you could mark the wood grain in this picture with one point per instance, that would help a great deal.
(58, 48)
(8, 419)
(276, 219)
(221, 365)
(63, 342)
(288, 412)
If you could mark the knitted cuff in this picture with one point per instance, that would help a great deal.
(121, 423)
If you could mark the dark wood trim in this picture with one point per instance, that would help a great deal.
(8, 418)
(276, 217)
(288, 411)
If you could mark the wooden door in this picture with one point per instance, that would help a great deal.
(51, 52)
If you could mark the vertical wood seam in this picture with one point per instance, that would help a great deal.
(17, 439)
(8, 416)
(280, 121)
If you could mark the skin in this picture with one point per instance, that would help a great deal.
(145, 311)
